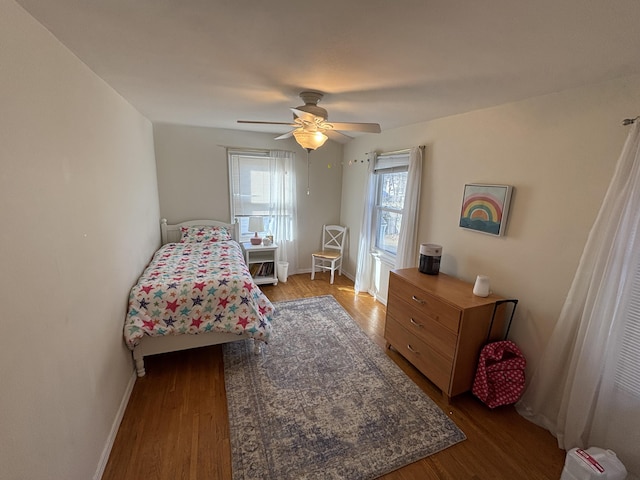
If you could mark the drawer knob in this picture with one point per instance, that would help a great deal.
(416, 299)
(415, 323)
(412, 350)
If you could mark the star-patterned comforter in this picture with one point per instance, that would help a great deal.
(191, 288)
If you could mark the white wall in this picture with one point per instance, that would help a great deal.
(80, 219)
(193, 178)
(558, 151)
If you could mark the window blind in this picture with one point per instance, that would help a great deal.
(391, 163)
(628, 367)
(250, 184)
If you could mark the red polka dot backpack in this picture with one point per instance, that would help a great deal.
(500, 376)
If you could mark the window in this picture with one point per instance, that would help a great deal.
(250, 189)
(262, 184)
(391, 184)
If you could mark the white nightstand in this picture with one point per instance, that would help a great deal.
(262, 262)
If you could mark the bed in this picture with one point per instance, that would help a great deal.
(196, 291)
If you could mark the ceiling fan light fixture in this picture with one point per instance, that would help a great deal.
(310, 140)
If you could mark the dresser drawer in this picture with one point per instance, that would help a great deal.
(411, 295)
(420, 324)
(434, 366)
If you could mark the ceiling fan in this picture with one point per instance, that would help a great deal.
(311, 125)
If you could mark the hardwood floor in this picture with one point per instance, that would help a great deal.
(176, 426)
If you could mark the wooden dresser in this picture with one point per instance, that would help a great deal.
(440, 326)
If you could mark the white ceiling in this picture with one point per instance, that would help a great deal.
(212, 62)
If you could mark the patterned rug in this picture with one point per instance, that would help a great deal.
(324, 402)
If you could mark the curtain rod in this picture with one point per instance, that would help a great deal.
(256, 150)
(629, 121)
(245, 149)
(404, 150)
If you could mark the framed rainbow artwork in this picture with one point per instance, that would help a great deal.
(485, 208)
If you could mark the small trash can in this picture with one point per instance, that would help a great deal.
(283, 271)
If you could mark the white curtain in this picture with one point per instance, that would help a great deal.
(407, 253)
(364, 267)
(586, 390)
(283, 212)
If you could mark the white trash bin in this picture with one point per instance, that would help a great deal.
(283, 271)
(591, 464)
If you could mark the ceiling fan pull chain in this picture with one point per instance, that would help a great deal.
(308, 174)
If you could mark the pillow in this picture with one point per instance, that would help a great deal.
(204, 234)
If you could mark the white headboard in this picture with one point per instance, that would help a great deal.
(172, 233)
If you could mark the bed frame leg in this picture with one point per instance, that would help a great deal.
(139, 359)
(258, 345)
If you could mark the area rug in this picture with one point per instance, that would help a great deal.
(323, 401)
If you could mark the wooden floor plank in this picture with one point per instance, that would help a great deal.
(176, 423)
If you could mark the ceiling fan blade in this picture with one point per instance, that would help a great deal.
(356, 127)
(257, 122)
(309, 117)
(286, 135)
(337, 136)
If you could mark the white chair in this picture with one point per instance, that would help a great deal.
(330, 257)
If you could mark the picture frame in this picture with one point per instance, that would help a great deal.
(485, 208)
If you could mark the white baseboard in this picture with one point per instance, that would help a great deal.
(104, 458)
